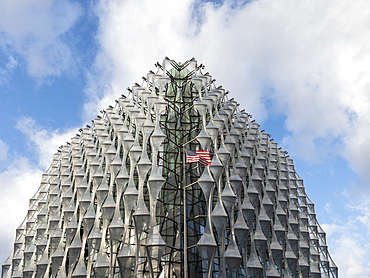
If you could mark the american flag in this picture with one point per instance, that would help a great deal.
(202, 157)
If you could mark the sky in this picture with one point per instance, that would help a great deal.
(301, 68)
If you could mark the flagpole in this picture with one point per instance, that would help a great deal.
(185, 224)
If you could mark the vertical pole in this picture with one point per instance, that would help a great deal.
(185, 225)
(111, 267)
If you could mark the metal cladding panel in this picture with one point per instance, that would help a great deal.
(120, 200)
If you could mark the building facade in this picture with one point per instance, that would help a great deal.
(120, 200)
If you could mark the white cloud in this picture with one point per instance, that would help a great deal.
(348, 241)
(18, 183)
(35, 30)
(7, 69)
(3, 150)
(348, 237)
(351, 255)
(44, 142)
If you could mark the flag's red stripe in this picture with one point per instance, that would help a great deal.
(203, 161)
(191, 159)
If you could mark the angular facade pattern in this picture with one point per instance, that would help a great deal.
(120, 201)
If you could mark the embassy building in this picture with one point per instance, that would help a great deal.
(120, 200)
